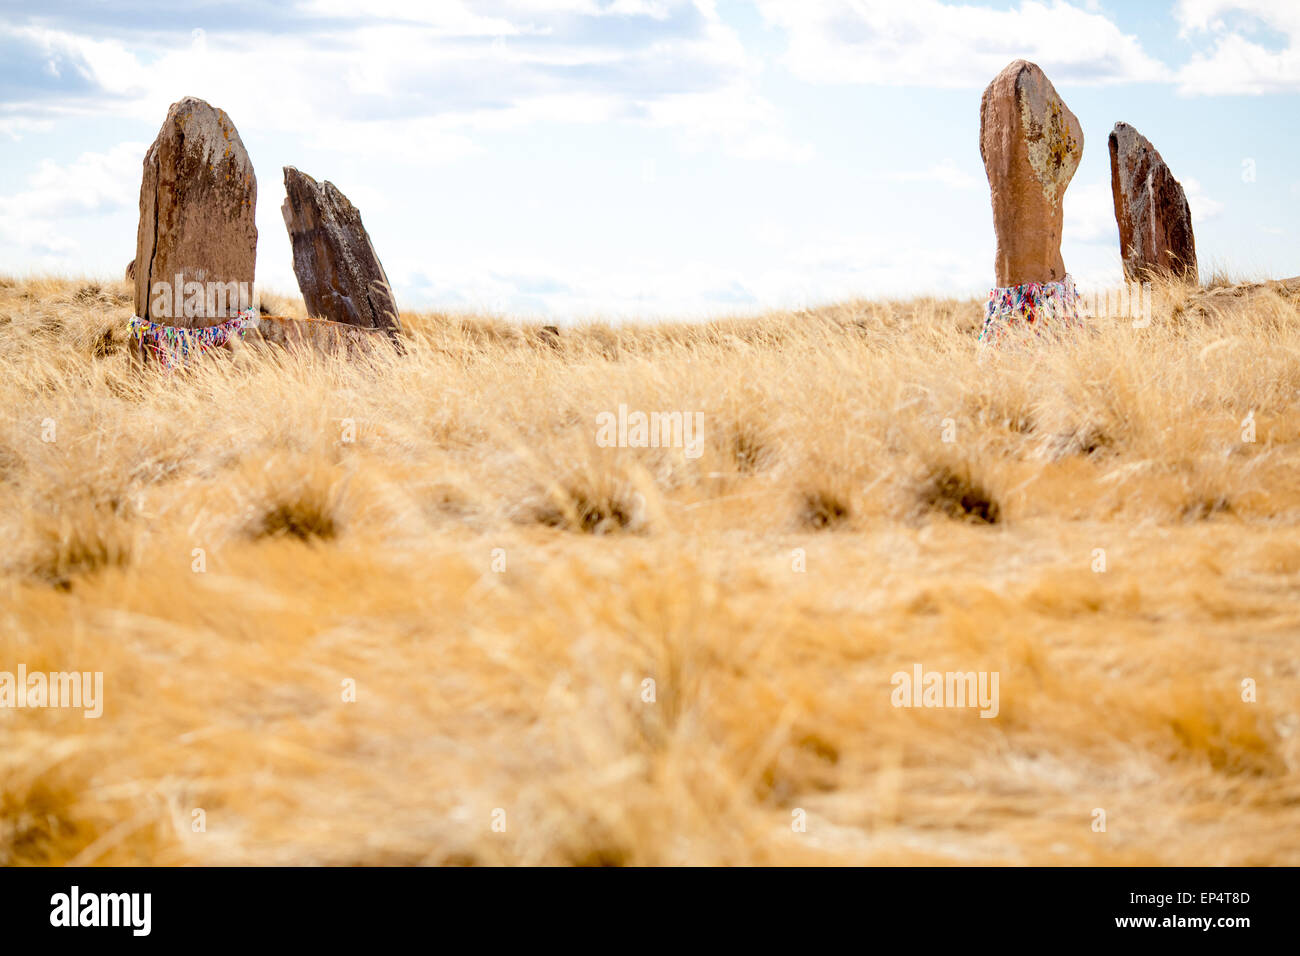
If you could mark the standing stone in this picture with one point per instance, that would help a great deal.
(1155, 222)
(340, 275)
(198, 198)
(1031, 145)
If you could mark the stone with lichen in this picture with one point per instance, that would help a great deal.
(1031, 145)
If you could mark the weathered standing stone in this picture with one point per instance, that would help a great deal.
(198, 198)
(1155, 222)
(1031, 145)
(340, 275)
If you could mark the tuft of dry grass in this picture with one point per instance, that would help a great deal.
(362, 612)
(954, 493)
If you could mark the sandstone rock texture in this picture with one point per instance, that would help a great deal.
(340, 275)
(1155, 222)
(1031, 145)
(198, 199)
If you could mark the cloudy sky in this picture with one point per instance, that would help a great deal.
(568, 158)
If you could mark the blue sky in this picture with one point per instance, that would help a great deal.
(619, 158)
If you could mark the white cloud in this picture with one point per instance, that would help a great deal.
(1239, 64)
(448, 18)
(1090, 213)
(744, 125)
(1203, 207)
(421, 79)
(15, 127)
(946, 173)
(92, 184)
(105, 66)
(929, 43)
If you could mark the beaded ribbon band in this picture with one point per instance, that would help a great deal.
(1035, 310)
(172, 346)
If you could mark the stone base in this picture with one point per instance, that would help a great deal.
(172, 347)
(321, 335)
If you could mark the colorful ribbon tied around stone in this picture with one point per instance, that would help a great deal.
(172, 346)
(1032, 310)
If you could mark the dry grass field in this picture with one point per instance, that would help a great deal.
(237, 546)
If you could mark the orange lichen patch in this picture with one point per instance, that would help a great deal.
(1054, 151)
(1061, 145)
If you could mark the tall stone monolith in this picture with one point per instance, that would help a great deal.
(196, 246)
(1031, 145)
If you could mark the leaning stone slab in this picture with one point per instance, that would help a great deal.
(1155, 222)
(196, 246)
(340, 275)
